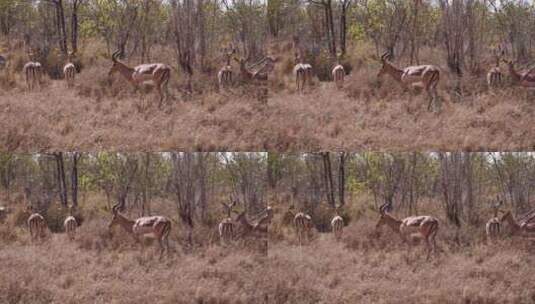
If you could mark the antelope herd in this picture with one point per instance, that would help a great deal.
(419, 227)
(426, 76)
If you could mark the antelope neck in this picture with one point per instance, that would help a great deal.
(125, 70)
(394, 71)
(392, 222)
(126, 223)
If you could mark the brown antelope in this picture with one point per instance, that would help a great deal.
(32, 73)
(224, 76)
(495, 75)
(158, 227)
(493, 226)
(158, 73)
(226, 227)
(423, 226)
(299, 73)
(522, 78)
(260, 74)
(338, 74)
(303, 226)
(522, 226)
(37, 226)
(426, 75)
(69, 71)
(337, 225)
(70, 224)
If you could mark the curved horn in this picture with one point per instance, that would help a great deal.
(382, 208)
(115, 208)
(114, 55)
(385, 56)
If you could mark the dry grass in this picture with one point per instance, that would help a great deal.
(103, 266)
(366, 266)
(370, 266)
(100, 113)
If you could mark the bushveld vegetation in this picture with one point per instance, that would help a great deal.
(367, 265)
(460, 37)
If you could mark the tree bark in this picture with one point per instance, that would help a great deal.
(74, 179)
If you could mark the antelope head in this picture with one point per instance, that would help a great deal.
(228, 53)
(498, 54)
(116, 64)
(383, 212)
(228, 207)
(115, 216)
(496, 206)
(384, 60)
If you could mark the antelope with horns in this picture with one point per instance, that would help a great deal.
(522, 78)
(423, 226)
(226, 227)
(267, 64)
(426, 75)
(32, 72)
(337, 224)
(338, 74)
(69, 71)
(523, 225)
(493, 226)
(158, 73)
(300, 74)
(495, 75)
(303, 227)
(224, 76)
(158, 227)
(70, 224)
(37, 226)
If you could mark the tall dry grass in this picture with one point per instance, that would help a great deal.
(108, 266)
(102, 112)
(375, 266)
(366, 266)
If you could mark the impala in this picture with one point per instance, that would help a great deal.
(158, 227)
(224, 76)
(260, 74)
(70, 225)
(522, 226)
(525, 78)
(423, 226)
(303, 226)
(427, 75)
(158, 73)
(495, 75)
(337, 225)
(32, 73)
(226, 226)
(37, 226)
(69, 70)
(299, 74)
(338, 74)
(493, 226)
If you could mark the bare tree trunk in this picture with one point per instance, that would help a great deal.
(74, 25)
(60, 172)
(328, 178)
(343, 25)
(342, 179)
(74, 179)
